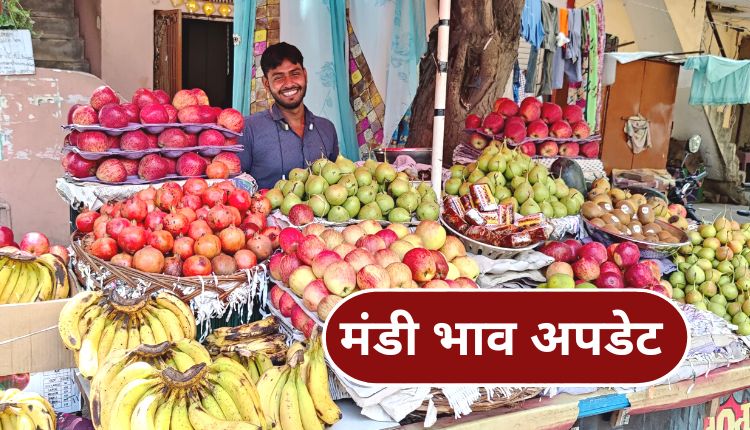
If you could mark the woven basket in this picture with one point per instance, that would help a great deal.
(501, 398)
(189, 287)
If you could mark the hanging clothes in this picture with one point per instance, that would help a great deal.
(549, 44)
(718, 80)
(594, 32)
(531, 70)
(531, 22)
(639, 135)
(573, 50)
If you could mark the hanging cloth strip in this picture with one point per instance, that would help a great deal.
(718, 80)
(531, 22)
(549, 19)
(639, 135)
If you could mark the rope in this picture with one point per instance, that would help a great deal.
(33, 333)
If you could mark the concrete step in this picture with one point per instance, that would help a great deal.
(81, 66)
(57, 49)
(49, 7)
(56, 27)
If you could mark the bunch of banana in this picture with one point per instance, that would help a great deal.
(249, 339)
(25, 278)
(255, 364)
(132, 394)
(22, 410)
(296, 396)
(93, 324)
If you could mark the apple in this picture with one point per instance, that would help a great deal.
(373, 276)
(370, 226)
(352, 234)
(401, 247)
(323, 260)
(299, 279)
(314, 292)
(421, 264)
(332, 238)
(340, 278)
(400, 275)
(453, 272)
(436, 283)
(467, 267)
(344, 249)
(559, 267)
(548, 149)
(452, 248)
(400, 229)
(385, 257)
(309, 247)
(289, 263)
(586, 269)
(286, 304)
(478, 141)
(371, 243)
(414, 240)
(441, 265)
(465, 282)
(359, 258)
(528, 148)
(389, 236)
(569, 149)
(593, 250)
(299, 318)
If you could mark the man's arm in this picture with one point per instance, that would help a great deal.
(246, 156)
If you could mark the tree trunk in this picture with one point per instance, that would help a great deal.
(483, 47)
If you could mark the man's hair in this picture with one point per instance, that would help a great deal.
(274, 55)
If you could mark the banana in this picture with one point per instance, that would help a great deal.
(134, 337)
(59, 275)
(180, 419)
(182, 360)
(230, 382)
(317, 385)
(10, 269)
(108, 335)
(164, 414)
(274, 404)
(194, 349)
(296, 346)
(126, 401)
(170, 322)
(107, 372)
(289, 408)
(202, 420)
(9, 393)
(228, 408)
(46, 283)
(308, 415)
(145, 411)
(266, 326)
(120, 341)
(147, 336)
(4, 261)
(7, 421)
(266, 385)
(262, 362)
(156, 327)
(15, 276)
(88, 318)
(37, 409)
(88, 357)
(31, 289)
(252, 370)
(184, 314)
(211, 405)
(24, 422)
(71, 313)
(110, 390)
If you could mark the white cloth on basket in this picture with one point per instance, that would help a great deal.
(523, 271)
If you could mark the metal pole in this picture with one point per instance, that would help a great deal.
(441, 83)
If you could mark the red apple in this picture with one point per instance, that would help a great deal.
(421, 263)
(373, 276)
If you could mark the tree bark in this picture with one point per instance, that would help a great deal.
(483, 47)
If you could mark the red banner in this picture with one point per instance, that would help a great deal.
(511, 337)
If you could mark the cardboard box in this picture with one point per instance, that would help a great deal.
(29, 340)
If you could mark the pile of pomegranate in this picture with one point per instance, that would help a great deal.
(532, 122)
(189, 230)
(151, 108)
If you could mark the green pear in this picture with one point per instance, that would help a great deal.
(290, 200)
(562, 188)
(547, 209)
(298, 174)
(350, 183)
(399, 215)
(385, 173)
(517, 181)
(464, 189)
(408, 201)
(559, 209)
(537, 174)
(523, 193)
(551, 186)
(338, 214)
(452, 185)
(345, 165)
(276, 197)
(430, 196)
(514, 169)
(319, 205)
(366, 194)
(336, 194)
(398, 187)
(502, 193)
(457, 171)
(294, 187)
(475, 176)
(317, 165)
(315, 185)
(497, 163)
(428, 211)
(483, 162)
(529, 207)
(352, 206)
(541, 192)
(364, 177)
(331, 173)
(384, 202)
(370, 211)
(371, 165)
(497, 178)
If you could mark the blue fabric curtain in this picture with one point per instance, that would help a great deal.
(243, 28)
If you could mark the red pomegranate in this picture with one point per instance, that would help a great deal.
(154, 220)
(260, 245)
(162, 240)
(189, 214)
(256, 218)
(198, 229)
(131, 239)
(214, 195)
(84, 222)
(183, 246)
(240, 199)
(195, 186)
(208, 246)
(245, 259)
(176, 223)
(148, 259)
(272, 232)
(219, 217)
(104, 248)
(197, 265)
(173, 266)
(168, 197)
(122, 259)
(115, 226)
(261, 204)
(232, 239)
(134, 209)
(191, 201)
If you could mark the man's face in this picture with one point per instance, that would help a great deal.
(287, 84)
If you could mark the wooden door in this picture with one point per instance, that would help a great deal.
(624, 100)
(168, 50)
(657, 103)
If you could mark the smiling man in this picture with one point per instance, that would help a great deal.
(287, 135)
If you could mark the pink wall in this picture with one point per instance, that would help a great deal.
(89, 12)
(32, 108)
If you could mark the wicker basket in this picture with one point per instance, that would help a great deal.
(489, 251)
(501, 398)
(187, 288)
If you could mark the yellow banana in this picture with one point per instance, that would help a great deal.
(88, 357)
(229, 381)
(317, 385)
(145, 411)
(126, 401)
(7, 421)
(38, 409)
(195, 350)
(108, 335)
(71, 313)
(274, 404)
(182, 360)
(120, 341)
(88, 318)
(135, 371)
(184, 314)
(164, 414)
(4, 261)
(114, 363)
(10, 270)
(7, 394)
(59, 275)
(31, 288)
(266, 326)
(134, 337)
(16, 277)
(266, 385)
(228, 408)
(147, 336)
(202, 420)
(211, 405)
(170, 322)
(289, 409)
(156, 327)
(180, 419)
(262, 362)
(24, 422)
(308, 415)
(251, 369)
(46, 283)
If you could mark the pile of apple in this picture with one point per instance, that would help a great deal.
(339, 191)
(189, 230)
(531, 123)
(515, 179)
(322, 265)
(32, 242)
(151, 108)
(592, 265)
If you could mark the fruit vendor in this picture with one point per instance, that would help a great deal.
(287, 135)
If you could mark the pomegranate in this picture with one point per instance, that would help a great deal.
(195, 186)
(191, 201)
(134, 209)
(249, 228)
(161, 240)
(223, 264)
(198, 229)
(236, 215)
(256, 218)
(6, 234)
(148, 259)
(173, 266)
(147, 193)
(61, 252)
(197, 265)
(219, 217)
(213, 196)
(188, 213)
(232, 239)
(116, 225)
(176, 223)
(202, 212)
(154, 220)
(122, 259)
(245, 259)
(104, 248)
(168, 197)
(260, 245)
(240, 199)
(261, 204)
(217, 170)
(183, 246)
(100, 226)
(131, 239)
(208, 246)
(84, 224)
(111, 209)
(79, 166)
(227, 186)
(272, 232)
